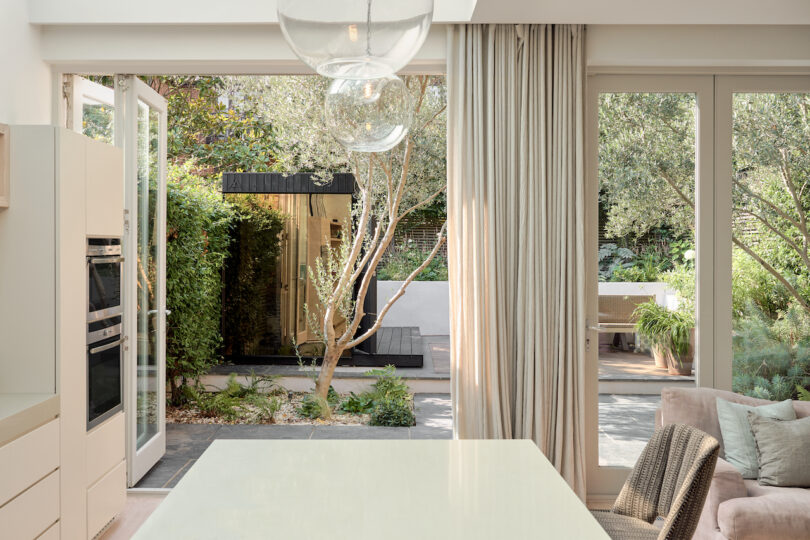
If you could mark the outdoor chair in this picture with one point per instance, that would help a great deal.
(671, 479)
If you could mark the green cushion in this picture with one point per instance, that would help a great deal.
(783, 449)
(738, 439)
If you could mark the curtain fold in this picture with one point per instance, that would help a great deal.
(515, 204)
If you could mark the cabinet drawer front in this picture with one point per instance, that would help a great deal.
(33, 511)
(105, 448)
(106, 499)
(26, 460)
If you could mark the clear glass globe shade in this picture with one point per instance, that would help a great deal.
(368, 115)
(355, 39)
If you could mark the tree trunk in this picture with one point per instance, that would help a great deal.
(330, 361)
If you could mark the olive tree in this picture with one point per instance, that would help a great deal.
(390, 186)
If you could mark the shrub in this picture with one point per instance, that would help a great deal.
(197, 223)
(772, 357)
(392, 412)
(313, 406)
(248, 269)
(355, 404)
(389, 385)
(400, 263)
(612, 258)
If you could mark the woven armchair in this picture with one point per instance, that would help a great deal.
(671, 480)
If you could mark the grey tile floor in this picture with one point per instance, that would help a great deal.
(186, 442)
(626, 423)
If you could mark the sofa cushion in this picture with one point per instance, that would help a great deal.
(783, 449)
(698, 407)
(740, 446)
(768, 513)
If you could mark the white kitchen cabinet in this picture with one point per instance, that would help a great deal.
(104, 192)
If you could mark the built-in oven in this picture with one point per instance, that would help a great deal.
(105, 337)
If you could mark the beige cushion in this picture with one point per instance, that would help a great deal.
(698, 407)
(783, 448)
(768, 513)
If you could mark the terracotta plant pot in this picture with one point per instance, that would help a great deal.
(681, 365)
(659, 356)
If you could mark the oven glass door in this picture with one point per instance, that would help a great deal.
(104, 387)
(104, 287)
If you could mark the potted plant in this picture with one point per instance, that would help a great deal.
(648, 317)
(670, 334)
(680, 346)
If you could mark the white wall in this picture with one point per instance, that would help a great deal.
(25, 80)
(425, 304)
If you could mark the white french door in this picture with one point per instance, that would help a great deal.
(629, 121)
(142, 133)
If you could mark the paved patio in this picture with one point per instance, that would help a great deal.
(626, 423)
(186, 442)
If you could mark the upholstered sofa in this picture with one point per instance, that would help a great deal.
(737, 509)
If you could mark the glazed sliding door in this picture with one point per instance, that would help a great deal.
(650, 225)
(142, 133)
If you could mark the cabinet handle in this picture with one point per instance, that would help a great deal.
(107, 346)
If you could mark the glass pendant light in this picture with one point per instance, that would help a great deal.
(355, 39)
(372, 115)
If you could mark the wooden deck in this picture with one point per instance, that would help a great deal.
(400, 346)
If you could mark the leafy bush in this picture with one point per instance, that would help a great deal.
(238, 400)
(401, 262)
(612, 258)
(313, 406)
(355, 404)
(772, 357)
(197, 223)
(249, 268)
(389, 385)
(392, 412)
(681, 278)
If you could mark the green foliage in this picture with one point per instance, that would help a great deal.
(772, 357)
(251, 262)
(313, 406)
(355, 404)
(197, 230)
(392, 412)
(803, 393)
(613, 258)
(681, 278)
(237, 401)
(755, 289)
(645, 268)
(401, 262)
(665, 327)
(389, 385)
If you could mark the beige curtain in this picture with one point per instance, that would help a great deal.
(515, 239)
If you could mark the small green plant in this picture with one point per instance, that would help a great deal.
(392, 412)
(612, 258)
(265, 407)
(672, 330)
(215, 404)
(803, 393)
(389, 385)
(313, 406)
(354, 404)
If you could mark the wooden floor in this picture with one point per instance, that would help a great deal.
(138, 507)
(397, 345)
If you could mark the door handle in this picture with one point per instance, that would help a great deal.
(107, 346)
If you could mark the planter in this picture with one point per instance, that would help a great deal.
(659, 356)
(682, 365)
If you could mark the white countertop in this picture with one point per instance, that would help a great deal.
(364, 490)
(20, 413)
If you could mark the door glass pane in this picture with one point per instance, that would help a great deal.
(97, 120)
(771, 266)
(646, 262)
(148, 295)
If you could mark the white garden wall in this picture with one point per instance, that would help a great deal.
(425, 304)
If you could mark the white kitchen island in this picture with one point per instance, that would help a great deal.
(372, 490)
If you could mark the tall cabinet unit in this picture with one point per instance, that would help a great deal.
(66, 188)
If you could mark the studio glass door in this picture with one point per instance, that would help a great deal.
(649, 253)
(142, 133)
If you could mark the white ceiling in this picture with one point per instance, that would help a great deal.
(650, 12)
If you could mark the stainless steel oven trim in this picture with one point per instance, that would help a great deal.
(100, 251)
(101, 314)
(118, 408)
(105, 333)
(105, 260)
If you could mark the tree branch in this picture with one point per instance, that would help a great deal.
(381, 315)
